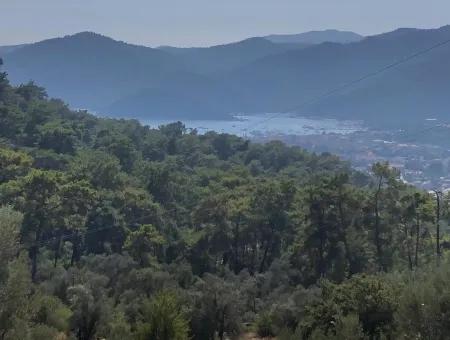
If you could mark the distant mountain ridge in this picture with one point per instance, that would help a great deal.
(222, 58)
(316, 37)
(8, 49)
(252, 76)
(90, 70)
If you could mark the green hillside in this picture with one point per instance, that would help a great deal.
(110, 229)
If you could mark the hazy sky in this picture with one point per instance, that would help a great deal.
(206, 22)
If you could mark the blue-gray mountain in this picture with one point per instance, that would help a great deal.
(268, 74)
(316, 37)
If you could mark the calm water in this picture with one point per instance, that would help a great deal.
(265, 124)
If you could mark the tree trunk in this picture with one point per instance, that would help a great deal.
(438, 227)
(222, 326)
(57, 248)
(75, 249)
(34, 251)
(416, 255)
(321, 268)
(344, 235)
(263, 261)
(377, 227)
(408, 248)
(236, 246)
(322, 240)
(266, 250)
(33, 255)
(253, 258)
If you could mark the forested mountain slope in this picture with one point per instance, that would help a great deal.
(4, 50)
(110, 229)
(415, 89)
(224, 58)
(90, 70)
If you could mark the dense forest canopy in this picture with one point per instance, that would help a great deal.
(110, 229)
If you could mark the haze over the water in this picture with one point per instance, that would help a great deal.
(206, 22)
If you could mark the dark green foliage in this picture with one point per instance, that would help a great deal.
(109, 229)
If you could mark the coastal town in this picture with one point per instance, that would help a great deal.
(421, 161)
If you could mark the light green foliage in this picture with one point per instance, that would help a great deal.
(372, 299)
(10, 224)
(264, 325)
(163, 319)
(423, 306)
(349, 328)
(118, 145)
(13, 164)
(144, 242)
(118, 327)
(52, 312)
(15, 284)
(102, 169)
(15, 300)
(58, 137)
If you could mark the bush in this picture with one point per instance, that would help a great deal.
(265, 326)
(163, 319)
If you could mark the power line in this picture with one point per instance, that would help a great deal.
(356, 81)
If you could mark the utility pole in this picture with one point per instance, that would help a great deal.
(438, 222)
